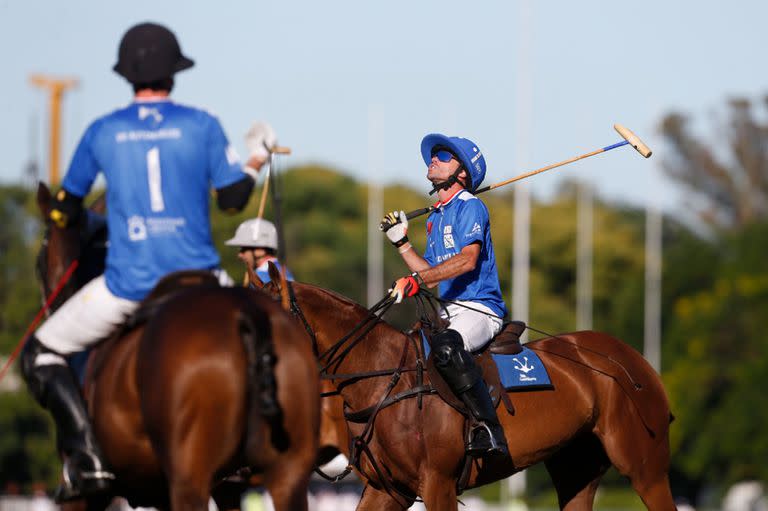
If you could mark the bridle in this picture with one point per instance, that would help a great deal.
(92, 244)
(330, 360)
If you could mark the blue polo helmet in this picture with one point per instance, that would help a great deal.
(466, 151)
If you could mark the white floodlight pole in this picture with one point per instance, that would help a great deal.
(652, 319)
(522, 222)
(375, 285)
(584, 241)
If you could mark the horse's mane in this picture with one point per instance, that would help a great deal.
(356, 307)
(345, 299)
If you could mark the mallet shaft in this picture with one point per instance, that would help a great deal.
(629, 139)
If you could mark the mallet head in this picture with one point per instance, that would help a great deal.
(633, 140)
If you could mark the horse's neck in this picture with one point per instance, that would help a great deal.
(332, 318)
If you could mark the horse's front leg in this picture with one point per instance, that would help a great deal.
(373, 499)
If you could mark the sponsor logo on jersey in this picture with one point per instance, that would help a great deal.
(137, 229)
(448, 237)
(476, 229)
(140, 135)
(146, 111)
(445, 257)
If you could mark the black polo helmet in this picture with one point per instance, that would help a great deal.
(150, 52)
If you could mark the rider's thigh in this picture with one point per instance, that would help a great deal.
(477, 325)
(90, 315)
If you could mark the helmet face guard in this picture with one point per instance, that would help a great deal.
(469, 155)
(149, 53)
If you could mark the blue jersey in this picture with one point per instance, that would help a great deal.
(263, 271)
(160, 160)
(461, 221)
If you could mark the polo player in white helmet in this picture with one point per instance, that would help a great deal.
(257, 239)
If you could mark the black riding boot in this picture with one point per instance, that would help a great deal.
(463, 376)
(54, 386)
(487, 437)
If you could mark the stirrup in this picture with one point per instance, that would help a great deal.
(77, 484)
(489, 446)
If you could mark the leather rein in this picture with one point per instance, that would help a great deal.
(335, 355)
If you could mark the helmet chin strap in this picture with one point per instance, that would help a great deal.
(436, 187)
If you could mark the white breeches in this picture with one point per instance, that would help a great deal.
(477, 327)
(90, 315)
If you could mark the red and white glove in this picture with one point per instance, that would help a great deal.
(395, 226)
(405, 287)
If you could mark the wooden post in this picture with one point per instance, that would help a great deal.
(56, 89)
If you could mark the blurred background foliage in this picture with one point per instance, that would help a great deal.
(714, 303)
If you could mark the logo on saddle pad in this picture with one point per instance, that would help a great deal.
(522, 371)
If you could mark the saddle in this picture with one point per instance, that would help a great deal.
(506, 342)
(164, 290)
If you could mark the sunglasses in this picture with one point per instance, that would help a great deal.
(444, 155)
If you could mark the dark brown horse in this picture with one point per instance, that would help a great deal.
(608, 407)
(173, 402)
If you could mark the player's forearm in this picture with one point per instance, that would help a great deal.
(412, 258)
(451, 268)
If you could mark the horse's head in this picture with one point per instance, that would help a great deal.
(85, 242)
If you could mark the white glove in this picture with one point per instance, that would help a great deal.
(259, 140)
(395, 226)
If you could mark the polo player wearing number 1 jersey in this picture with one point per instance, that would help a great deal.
(460, 258)
(159, 160)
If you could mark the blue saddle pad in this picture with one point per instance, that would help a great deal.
(524, 371)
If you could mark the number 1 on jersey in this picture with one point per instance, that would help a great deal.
(155, 180)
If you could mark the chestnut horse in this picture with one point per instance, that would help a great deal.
(172, 398)
(607, 407)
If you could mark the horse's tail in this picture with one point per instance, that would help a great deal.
(263, 406)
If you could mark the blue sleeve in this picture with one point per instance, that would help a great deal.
(471, 225)
(83, 168)
(223, 161)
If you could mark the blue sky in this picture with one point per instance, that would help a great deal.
(328, 75)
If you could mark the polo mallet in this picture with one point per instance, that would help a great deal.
(272, 151)
(256, 139)
(629, 139)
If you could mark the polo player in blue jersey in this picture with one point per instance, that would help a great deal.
(159, 159)
(460, 259)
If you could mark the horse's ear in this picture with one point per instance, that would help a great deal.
(43, 200)
(99, 205)
(251, 277)
(285, 299)
(274, 273)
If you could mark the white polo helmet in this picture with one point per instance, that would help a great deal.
(255, 232)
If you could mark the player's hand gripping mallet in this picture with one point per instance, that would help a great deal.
(629, 139)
